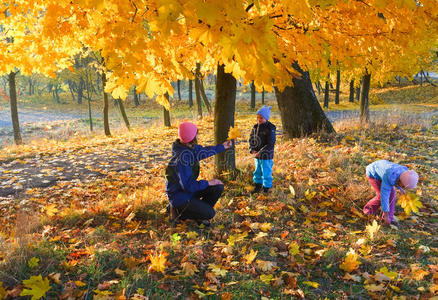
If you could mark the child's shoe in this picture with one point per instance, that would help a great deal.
(257, 188)
(265, 190)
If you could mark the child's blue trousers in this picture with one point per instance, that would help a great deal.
(263, 172)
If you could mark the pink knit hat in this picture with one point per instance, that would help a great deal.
(187, 132)
(409, 179)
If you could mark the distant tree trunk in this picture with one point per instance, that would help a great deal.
(263, 95)
(81, 90)
(71, 88)
(14, 109)
(204, 96)
(358, 92)
(224, 108)
(166, 114)
(421, 78)
(300, 111)
(338, 85)
(253, 95)
(364, 99)
(89, 114)
(326, 94)
(56, 93)
(136, 101)
(123, 113)
(190, 93)
(318, 87)
(198, 92)
(105, 107)
(178, 83)
(351, 98)
(30, 92)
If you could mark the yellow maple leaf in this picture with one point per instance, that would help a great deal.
(249, 258)
(234, 133)
(51, 210)
(158, 262)
(390, 274)
(265, 227)
(189, 268)
(410, 202)
(374, 288)
(37, 287)
(419, 274)
(372, 229)
(264, 265)
(33, 262)
(3, 292)
(311, 283)
(266, 278)
(294, 248)
(350, 263)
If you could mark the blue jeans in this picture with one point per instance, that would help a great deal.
(263, 172)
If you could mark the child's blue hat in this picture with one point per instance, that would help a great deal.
(265, 112)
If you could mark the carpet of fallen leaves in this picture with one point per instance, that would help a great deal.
(109, 237)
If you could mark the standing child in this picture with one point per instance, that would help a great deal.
(383, 176)
(191, 198)
(261, 146)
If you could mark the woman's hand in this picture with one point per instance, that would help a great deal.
(227, 144)
(215, 182)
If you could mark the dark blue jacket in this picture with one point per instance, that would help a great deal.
(388, 173)
(183, 170)
(262, 139)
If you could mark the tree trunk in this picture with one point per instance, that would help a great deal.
(253, 95)
(190, 93)
(358, 92)
(300, 111)
(30, 86)
(14, 109)
(198, 92)
(338, 85)
(204, 96)
(178, 84)
(166, 114)
(81, 90)
(263, 95)
(364, 99)
(326, 94)
(136, 101)
(70, 87)
(89, 114)
(106, 126)
(351, 98)
(123, 112)
(224, 108)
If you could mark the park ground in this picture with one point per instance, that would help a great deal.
(87, 212)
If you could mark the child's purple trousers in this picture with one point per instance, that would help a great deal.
(372, 207)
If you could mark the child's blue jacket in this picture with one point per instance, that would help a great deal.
(183, 170)
(388, 173)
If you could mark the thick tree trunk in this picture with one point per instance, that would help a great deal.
(351, 98)
(106, 127)
(178, 84)
(123, 113)
(338, 85)
(326, 94)
(364, 99)
(253, 95)
(263, 96)
(14, 109)
(224, 108)
(300, 111)
(136, 101)
(166, 114)
(198, 92)
(190, 93)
